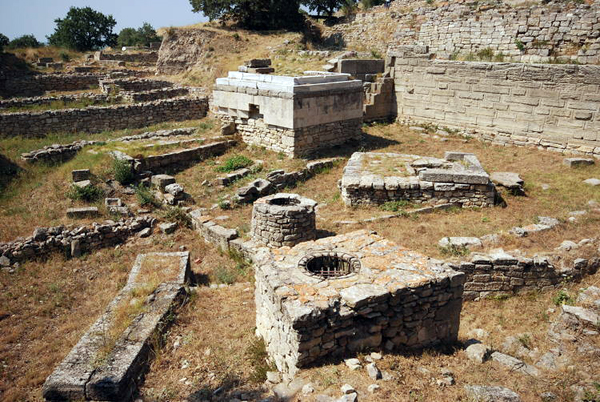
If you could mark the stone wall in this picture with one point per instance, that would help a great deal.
(97, 119)
(146, 57)
(503, 273)
(531, 33)
(47, 100)
(549, 106)
(156, 94)
(45, 241)
(90, 372)
(299, 142)
(109, 86)
(181, 159)
(37, 84)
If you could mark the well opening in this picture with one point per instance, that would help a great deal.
(331, 265)
(284, 201)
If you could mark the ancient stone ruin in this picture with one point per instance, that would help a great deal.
(337, 296)
(283, 220)
(293, 115)
(376, 178)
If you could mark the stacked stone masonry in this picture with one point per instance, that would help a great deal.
(62, 240)
(47, 100)
(97, 119)
(293, 115)
(504, 273)
(546, 106)
(376, 178)
(396, 299)
(110, 86)
(57, 153)
(180, 159)
(300, 142)
(147, 57)
(90, 372)
(38, 84)
(529, 33)
(283, 220)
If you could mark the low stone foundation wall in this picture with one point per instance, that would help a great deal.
(505, 273)
(34, 85)
(45, 241)
(302, 141)
(156, 94)
(181, 159)
(86, 373)
(109, 86)
(148, 57)
(97, 119)
(376, 178)
(47, 100)
(56, 153)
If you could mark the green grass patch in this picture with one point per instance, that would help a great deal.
(234, 162)
(88, 194)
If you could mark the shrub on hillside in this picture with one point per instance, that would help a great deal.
(88, 194)
(123, 171)
(234, 163)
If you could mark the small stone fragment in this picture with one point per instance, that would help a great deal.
(168, 227)
(353, 364)
(373, 371)
(348, 389)
(373, 388)
(482, 393)
(592, 182)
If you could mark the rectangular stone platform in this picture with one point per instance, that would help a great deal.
(293, 115)
(376, 178)
(87, 374)
(390, 298)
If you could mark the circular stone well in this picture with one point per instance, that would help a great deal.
(283, 220)
(330, 264)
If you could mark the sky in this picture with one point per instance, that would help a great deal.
(24, 17)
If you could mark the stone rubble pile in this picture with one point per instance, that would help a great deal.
(71, 241)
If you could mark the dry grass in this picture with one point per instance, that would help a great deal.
(47, 306)
(31, 55)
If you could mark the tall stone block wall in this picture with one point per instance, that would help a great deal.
(34, 85)
(549, 106)
(539, 32)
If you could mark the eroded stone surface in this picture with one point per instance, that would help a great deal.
(303, 317)
(377, 178)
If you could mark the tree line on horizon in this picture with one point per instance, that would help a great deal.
(84, 29)
(274, 14)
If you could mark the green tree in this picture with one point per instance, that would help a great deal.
(24, 41)
(324, 7)
(146, 35)
(127, 37)
(143, 36)
(253, 14)
(3, 41)
(84, 29)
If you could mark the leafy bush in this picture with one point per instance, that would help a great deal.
(454, 250)
(563, 297)
(123, 171)
(234, 163)
(88, 194)
(225, 275)
(145, 197)
(176, 214)
(4, 41)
